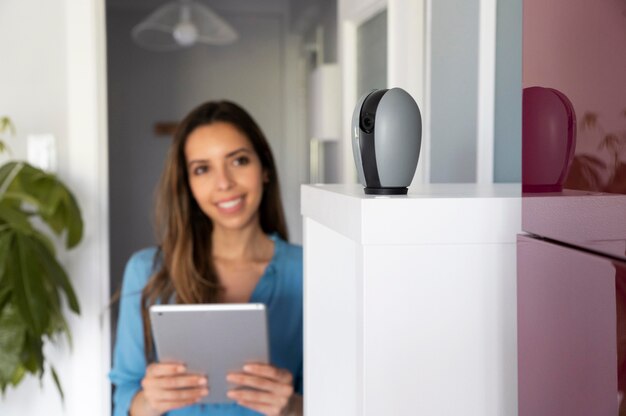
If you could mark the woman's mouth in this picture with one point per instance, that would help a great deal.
(231, 205)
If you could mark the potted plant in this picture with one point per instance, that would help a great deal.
(37, 212)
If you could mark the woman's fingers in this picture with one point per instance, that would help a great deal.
(181, 395)
(261, 397)
(154, 403)
(261, 383)
(166, 406)
(261, 408)
(164, 369)
(268, 371)
(167, 386)
(175, 382)
(271, 388)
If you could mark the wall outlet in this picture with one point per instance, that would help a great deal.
(41, 151)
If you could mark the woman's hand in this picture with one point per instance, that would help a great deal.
(274, 395)
(167, 386)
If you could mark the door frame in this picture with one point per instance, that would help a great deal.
(408, 66)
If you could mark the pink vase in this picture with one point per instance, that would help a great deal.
(548, 139)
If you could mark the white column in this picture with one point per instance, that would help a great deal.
(486, 91)
(407, 59)
(87, 173)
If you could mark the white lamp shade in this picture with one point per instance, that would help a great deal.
(181, 24)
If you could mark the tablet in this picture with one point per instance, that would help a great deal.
(211, 339)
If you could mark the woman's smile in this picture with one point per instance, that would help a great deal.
(231, 205)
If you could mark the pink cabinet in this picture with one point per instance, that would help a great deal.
(568, 303)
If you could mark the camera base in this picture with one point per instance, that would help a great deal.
(386, 191)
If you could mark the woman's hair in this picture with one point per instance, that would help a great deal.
(185, 269)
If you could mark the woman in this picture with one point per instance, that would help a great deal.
(222, 238)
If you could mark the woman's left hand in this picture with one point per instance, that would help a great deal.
(274, 389)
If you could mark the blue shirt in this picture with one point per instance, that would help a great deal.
(279, 288)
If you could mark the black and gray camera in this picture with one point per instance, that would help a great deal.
(386, 140)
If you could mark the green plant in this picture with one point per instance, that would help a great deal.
(31, 279)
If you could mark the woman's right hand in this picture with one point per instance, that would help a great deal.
(167, 386)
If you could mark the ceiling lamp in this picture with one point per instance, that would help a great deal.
(181, 24)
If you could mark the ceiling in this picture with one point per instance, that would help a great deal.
(301, 13)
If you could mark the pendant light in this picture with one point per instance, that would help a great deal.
(182, 24)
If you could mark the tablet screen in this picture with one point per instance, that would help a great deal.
(211, 339)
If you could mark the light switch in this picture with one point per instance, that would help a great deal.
(41, 151)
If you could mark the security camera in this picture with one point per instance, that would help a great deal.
(386, 140)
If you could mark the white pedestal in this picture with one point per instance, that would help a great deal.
(410, 301)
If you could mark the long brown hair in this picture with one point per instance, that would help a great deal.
(185, 269)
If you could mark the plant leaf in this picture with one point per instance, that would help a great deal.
(74, 221)
(12, 333)
(5, 283)
(43, 239)
(9, 177)
(56, 273)
(6, 124)
(4, 147)
(55, 377)
(5, 244)
(32, 354)
(51, 200)
(5, 170)
(48, 190)
(18, 375)
(5, 295)
(15, 218)
(39, 280)
(29, 292)
(17, 197)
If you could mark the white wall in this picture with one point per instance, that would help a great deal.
(454, 90)
(466, 66)
(32, 74)
(52, 80)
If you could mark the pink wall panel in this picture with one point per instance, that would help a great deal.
(567, 350)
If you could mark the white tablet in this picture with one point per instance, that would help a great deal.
(211, 339)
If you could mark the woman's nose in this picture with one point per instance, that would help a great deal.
(224, 179)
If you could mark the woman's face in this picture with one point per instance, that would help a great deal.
(225, 174)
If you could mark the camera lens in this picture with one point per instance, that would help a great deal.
(367, 115)
(367, 123)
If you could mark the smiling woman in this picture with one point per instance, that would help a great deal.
(222, 238)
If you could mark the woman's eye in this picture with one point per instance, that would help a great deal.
(241, 161)
(199, 170)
